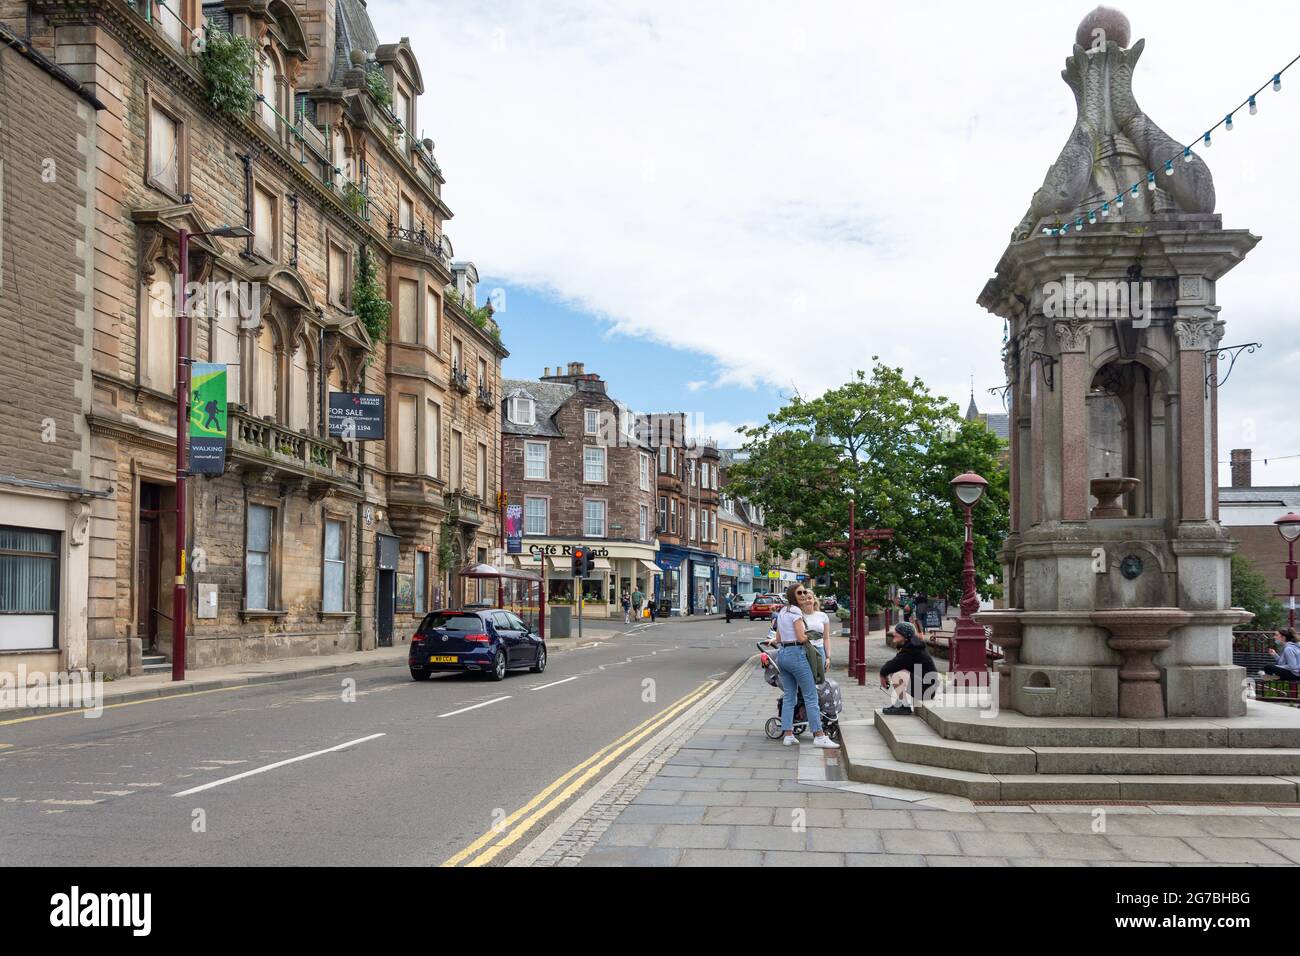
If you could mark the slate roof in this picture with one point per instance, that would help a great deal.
(1284, 496)
(548, 396)
(353, 31)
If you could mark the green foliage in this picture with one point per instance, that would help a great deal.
(1250, 590)
(446, 546)
(378, 88)
(368, 298)
(481, 315)
(891, 446)
(355, 199)
(227, 63)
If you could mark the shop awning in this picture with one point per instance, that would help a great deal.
(601, 564)
(650, 566)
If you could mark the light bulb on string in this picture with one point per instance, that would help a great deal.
(1277, 82)
(1208, 144)
(1078, 223)
(1105, 209)
(1253, 108)
(1151, 180)
(1119, 201)
(1187, 154)
(1134, 190)
(1169, 167)
(1227, 122)
(1092, 218)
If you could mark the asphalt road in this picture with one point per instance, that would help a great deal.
(405, 773)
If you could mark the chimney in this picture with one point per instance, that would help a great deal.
(546, 372)
(1241, 468)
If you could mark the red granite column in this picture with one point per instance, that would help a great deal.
(1193, 338)
(1072, 380)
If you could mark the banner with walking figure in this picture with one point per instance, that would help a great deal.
(208, 419)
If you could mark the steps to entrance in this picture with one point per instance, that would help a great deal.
(155, 663)
(1253, 759)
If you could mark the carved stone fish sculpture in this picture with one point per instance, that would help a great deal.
(1113, 144)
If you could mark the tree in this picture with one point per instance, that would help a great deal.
(888, 444)
(1250, 591)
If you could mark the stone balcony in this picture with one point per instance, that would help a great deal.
(469, 510)
(416, 505)
(256, 443)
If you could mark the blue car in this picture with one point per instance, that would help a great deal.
(491, 642)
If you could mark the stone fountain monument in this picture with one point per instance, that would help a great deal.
(1120, 608)
(1118, 682)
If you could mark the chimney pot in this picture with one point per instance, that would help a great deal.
(1240, 462)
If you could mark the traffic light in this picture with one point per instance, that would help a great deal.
(579, 562)
(823, 574)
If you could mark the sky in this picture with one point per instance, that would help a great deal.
(713, 205)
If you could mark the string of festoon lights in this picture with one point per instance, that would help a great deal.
(1205, 139)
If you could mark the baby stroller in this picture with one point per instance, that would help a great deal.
(829, 699)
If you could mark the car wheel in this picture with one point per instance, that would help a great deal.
(498, 671)
(419, 674)
(541, 660)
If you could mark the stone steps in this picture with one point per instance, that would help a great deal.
(870, 758)
(1264, 726)
(916, 741)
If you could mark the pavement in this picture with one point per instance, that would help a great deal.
(719, 793)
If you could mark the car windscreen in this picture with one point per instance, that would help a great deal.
(461, 623)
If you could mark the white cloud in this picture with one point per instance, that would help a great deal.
(792, 192)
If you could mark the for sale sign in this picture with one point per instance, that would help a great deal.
(356, 416)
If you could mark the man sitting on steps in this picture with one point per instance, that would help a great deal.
(897, 674)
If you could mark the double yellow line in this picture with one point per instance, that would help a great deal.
(483, 851)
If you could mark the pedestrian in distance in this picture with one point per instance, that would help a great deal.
(1287, 665)
(627, 607)
(654, 609)
(637, 600)
(922, 609)
(796, 675)
(912, 663)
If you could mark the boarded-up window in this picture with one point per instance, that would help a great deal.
(402, 107)
(405, 213)
(432, 432)
(225, 344)
(266, 375)
(407, 310)
(338, 277)
(431, 336)
(264, 223)
(408, 433)
(268, 91)
(481, 487)
(456, 479)
(164, 150)
(158, 366)
(299, 392)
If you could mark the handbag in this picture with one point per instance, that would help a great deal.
(814, 659)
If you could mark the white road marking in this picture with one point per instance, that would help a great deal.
(494, 700)
(273, 766)
(555, 683)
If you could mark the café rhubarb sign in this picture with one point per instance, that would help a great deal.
(208, 419)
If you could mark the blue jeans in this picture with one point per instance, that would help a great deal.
(797, 676)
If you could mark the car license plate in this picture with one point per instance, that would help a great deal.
(443, 659)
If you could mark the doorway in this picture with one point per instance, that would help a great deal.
(155, 553)
(385, 590)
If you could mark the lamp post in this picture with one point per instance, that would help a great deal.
(1289, 527)
(967, 652)
(180, 598)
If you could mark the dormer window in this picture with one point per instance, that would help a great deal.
(521, 409)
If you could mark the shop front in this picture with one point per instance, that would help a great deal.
(703, 581)
(728, 578)
(617, 566)
(670, 595)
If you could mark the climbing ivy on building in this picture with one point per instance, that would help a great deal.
(227, 63)
(368, 298)
(379, 89)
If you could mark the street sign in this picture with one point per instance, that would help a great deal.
(208, 419)
(356, 416)
(514, 529)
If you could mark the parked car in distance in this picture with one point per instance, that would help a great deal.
(830, 605)
(489, 642)
(764, 606)
(739, 605)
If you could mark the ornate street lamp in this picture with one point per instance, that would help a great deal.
(967, 653)
(1288, 526)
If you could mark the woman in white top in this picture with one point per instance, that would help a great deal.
(817, 624)
(796, 675)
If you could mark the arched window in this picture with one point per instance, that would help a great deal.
(336, 380)
(158, 330)
(269, 89)
(342, 155)
(300, 391)
(266, 374)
